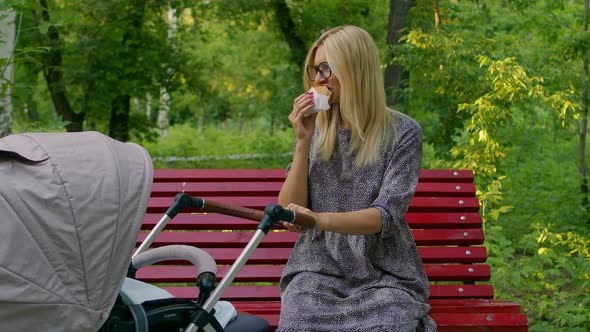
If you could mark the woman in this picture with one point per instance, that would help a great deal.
(354, 170)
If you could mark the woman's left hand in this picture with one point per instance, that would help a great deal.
(299, 209)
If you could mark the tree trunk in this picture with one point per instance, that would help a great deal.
(163, 112)
(7, 32)
(31, 108)
(394, 75)
(148, 107)
(90, 89)
(296, 44)
(165, 101)
(120, 105)
(54, 77)
(584, 119)
(436, 15)
(119, 124)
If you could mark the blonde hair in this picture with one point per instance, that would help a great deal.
(354, 60)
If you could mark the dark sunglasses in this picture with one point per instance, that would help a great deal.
(323, 68)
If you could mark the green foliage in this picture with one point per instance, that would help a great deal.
(107, 49)
(319, 15)
(547, 272)
(542, 180)
(538, 249)
(496, 104)
(445, 72)
(225, 146)
(508, 85)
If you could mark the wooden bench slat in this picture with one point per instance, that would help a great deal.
(453, 254)
(444, 204)
(461, 291)
(423, 237)
(213, 175)
(200, 189)
(440, 237)
(501, 322)
(227, 256)
(437, 306)
(443, 220)
(214, 221)
(461, 322)
(427, 189)
(237, 175)
(473, 305)
(271, 293)
(272, 273)
(418, 204)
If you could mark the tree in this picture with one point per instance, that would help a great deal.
(165, 102)
(130, 51)
(559, 30)
(99, 55)
(395, 75)
(53, 73)
(444, 72)
(7, 45)
(285, 21)
(584, 113)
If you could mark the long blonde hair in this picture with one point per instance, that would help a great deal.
(354, 60)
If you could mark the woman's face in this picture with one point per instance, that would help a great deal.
(331, 82)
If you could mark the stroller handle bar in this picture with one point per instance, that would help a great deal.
(276, 212)
(273, 214)
(199, 258)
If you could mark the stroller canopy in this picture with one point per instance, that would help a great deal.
(71, 205)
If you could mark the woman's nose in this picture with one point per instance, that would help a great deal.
(319, 78)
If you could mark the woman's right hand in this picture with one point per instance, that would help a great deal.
(303, 125)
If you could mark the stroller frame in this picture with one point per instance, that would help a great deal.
(204, 320)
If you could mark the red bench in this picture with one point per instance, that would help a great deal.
(444, 217)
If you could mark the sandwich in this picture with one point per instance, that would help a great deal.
(322, 89)
(321, 99)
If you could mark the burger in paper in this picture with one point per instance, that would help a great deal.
(321, 98)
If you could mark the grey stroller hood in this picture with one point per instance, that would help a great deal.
(71, 206)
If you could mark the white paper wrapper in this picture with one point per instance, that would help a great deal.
(320, 101)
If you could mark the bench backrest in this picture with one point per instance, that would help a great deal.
(444, 218)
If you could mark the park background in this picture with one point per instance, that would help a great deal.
(499, 87)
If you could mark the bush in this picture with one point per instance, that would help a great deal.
(548, 273)
(222, 147)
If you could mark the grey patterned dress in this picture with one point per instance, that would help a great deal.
(336, 282)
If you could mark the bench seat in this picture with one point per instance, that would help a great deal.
(443, 215)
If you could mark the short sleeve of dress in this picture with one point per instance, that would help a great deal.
(400, 177)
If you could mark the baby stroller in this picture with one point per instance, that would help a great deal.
(71, 206)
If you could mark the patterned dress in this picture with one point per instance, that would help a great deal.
(336, 282)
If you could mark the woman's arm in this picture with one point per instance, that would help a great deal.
(294, 189)
(361, 222)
